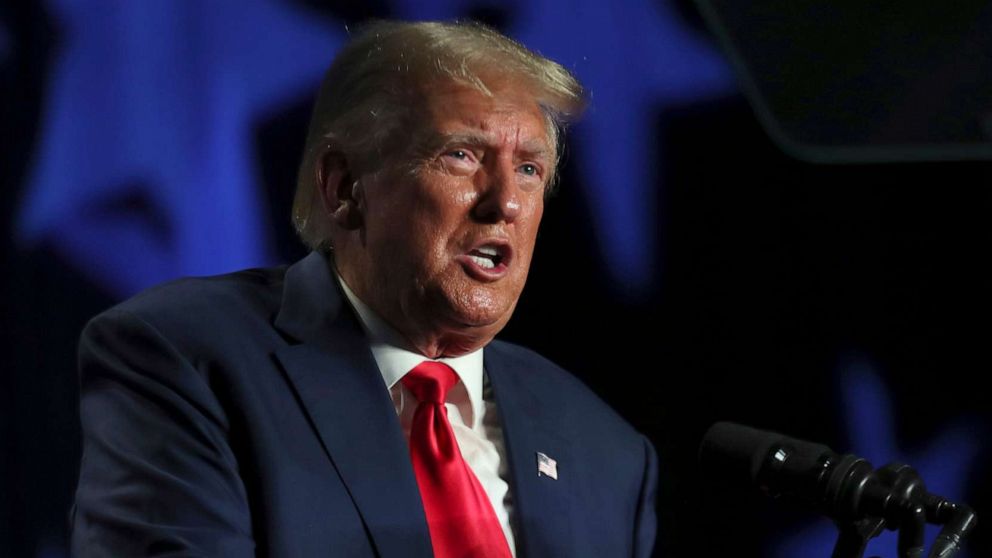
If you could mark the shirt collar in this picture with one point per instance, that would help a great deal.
(395, 361)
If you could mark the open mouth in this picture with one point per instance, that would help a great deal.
(487, 257)
(488, 261)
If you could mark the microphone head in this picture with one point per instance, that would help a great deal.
(741, 455)
(734, 452)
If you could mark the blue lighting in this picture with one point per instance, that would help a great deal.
(145, 170)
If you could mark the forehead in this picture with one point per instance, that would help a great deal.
(509, 115)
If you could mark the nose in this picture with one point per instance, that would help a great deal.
(499, 200)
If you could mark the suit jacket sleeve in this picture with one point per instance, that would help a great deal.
(647, 523)
(158, 475)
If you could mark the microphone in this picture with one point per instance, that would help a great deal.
(845, 488)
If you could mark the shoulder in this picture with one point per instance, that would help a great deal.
(196, 309)
(258, 289)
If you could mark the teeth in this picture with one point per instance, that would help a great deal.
(488, 250)
(484, 263)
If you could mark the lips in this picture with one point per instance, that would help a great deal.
(488, 260)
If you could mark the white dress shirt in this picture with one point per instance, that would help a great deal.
(471, 410)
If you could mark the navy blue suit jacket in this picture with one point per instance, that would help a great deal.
(244, 414)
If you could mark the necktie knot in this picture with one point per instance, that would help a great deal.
(430, 381)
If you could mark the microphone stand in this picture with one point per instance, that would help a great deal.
(854, 536)
(906, 507)
(861, 500)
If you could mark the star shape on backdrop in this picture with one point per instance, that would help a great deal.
(145, 170)
(637, 58)
(943, 463)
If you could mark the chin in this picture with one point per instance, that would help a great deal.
(482, 309)
(470, 309)
(468, 329)
(478, 321)
(474, 319)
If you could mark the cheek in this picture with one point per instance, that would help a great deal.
(464, 197)
(419, 232)
(529, 231)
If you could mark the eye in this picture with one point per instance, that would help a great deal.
(459, 161)
(460, 155)
(530, 169)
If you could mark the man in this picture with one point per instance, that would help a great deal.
(355, 403)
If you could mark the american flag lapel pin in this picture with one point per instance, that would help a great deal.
(546, 466)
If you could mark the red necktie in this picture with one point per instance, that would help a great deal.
(461, 519)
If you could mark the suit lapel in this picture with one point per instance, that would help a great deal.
(341, 389)
(542, 505)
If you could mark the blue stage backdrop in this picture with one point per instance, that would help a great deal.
(713, 277)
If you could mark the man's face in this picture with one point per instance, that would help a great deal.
(448, 232)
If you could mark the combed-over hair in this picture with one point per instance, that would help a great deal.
(370, 93)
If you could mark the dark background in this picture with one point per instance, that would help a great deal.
(846, 303)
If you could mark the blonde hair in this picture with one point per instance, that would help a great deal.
(370, 93)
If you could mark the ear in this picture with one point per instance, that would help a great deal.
(339, 189)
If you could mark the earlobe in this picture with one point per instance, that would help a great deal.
(348, 213)
(339, 190)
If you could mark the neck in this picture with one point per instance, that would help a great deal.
(446, 345)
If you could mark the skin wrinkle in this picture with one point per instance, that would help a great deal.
(529, 149)
(402, 261)
(429, 53)
(423, 149)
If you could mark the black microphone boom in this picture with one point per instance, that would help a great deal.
(846, 488)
